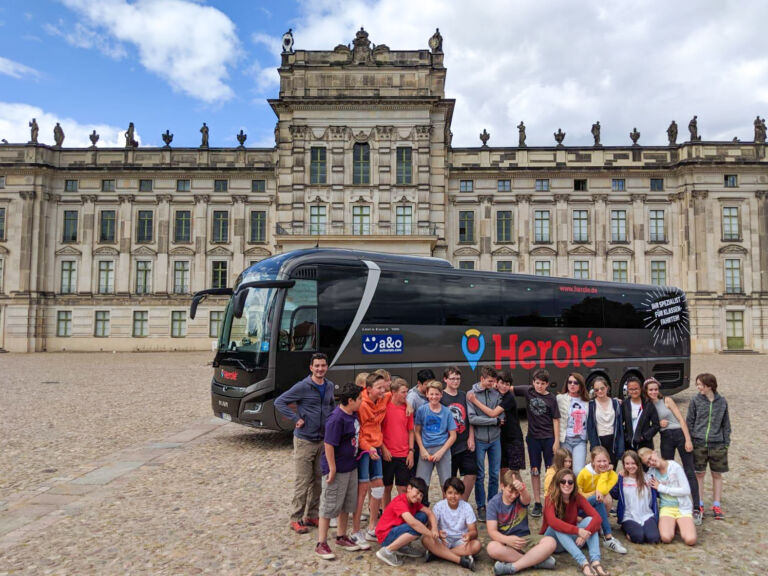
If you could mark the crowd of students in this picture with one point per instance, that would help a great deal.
(382, 435)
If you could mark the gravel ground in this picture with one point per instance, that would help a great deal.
(216, 503)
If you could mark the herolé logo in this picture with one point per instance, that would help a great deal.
(528, 354)
(229, 375)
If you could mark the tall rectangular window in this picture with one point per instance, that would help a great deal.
(70, 185)
(258, 185)
(107, 226)
(220, 226)
(106, 277)
(617, 185)
(580, 185)
(504, 185)
(183, 185)
(145, 185)
(70, 226)
(182, 226)
(219, 274)
(542, 185)
(504, 266)
(404, 167)
(657, 184)
(107, 185)
(542, 268)
(466, 226)
(541, 226)
(403, 220)
(141, 324)
(466, 185)
(361, 164)
(731, 230)
(620, 271)
(258, 226)
(2, 224)
(2, 182)
(361, 220)
(659, 272)
(730, 181)
(181, 277)
(317, 220)
(143, 277)
(101, 324)
(733, 276)
(220, 185)
(64, 323)
(2, 267)
(68, 277)
(504, 226)
(144, 226)
(618, 225)
(215, 322)
(178, 324)
(466, 265)
(317, 165)
(656, 219)
(581, 269)
(580, 226)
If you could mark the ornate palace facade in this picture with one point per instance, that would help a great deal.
(100, 248)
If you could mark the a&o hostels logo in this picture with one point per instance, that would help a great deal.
(473, 346)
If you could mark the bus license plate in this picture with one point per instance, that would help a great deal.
(227, 417)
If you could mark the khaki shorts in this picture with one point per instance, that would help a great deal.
(340, 495)
(716, 456)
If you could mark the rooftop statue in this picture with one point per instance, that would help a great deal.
(672, 133)
(521, 135)
(58, 135)
(596, 133)
(34, 130)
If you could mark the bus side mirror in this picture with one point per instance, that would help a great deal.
(239, 304)
(193, 308)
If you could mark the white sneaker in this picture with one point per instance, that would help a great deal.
(615, 545)
(388, 557)
(359, 539)
(334, 522)
(370, 535)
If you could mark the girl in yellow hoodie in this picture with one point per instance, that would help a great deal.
(595, 482)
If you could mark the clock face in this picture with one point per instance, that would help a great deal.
(433, 43)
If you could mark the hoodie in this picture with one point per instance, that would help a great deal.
(371, 415)
(709, 422)
(486, 429)
(310, 406)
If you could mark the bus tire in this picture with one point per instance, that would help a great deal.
(591, 382)
(625, 378)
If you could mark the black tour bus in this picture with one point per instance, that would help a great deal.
(367, 311)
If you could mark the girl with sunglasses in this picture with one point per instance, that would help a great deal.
(605, 424)
(573, 403)
(562, 508)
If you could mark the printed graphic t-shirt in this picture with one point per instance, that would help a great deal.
(434, 425)
(512, 519)
(458, 408)
(542, 410)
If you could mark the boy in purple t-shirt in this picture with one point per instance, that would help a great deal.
(339, 467)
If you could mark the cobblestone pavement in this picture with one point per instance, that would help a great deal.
(119, 468)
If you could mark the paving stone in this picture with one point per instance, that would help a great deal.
(106, 474)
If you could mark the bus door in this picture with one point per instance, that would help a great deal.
(298, 334)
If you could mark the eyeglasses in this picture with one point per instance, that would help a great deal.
(566, 482)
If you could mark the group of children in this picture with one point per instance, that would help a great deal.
(382, 435)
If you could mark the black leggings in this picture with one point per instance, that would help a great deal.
(648, 533)
(675, 439)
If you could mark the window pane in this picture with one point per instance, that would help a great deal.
(618, 225)
(107, 227)
(258, 226)
(219, 274)
(183, 185)
(581, 269)
(658, 272)
(542, 185)
(361, 220)
(182, 230)
(580, 226)
(541, 226)
(317, 166)
(215, 322)
(404, 167)
(143, 276)
(181, 277)
(107, 185)
(466, 226)
(542, 268)
(178, 324)
(731, 223)
(258, 185)
(657, 226)
(144, 226)
(361, 164)
(106, 276)
(403, 220)
(580, 185)
(504, 266)
(657, 184)
(64, 323)
(504, 226)
(68, 277)
(317, 220)
(620, 271)
(70, 226)
(220, 185)
(220, 226)
(617, 185)
(101, 324)
(2, 223)
(504, 185)
(145, 185)
(733, 276)
(466, 185)
(140, 324)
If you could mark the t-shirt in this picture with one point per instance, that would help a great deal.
(456, 522)
(512, 519)
(510, 430)
(434, 425)
(395, 428)
(458, 407)
(577, 419)
(393, 515)
(637, 409)
(415, 398)
(342, 431)
(542, 410)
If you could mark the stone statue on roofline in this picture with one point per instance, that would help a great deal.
(130, 140)
(559, 137)
(94, 137)
(167, 138)
(693, 128)
(34, 131)
(241, 138)
(760, 130)
(634, 136)
(596, 133)
(672, 133)
(204, 132)
(521, 135)
(436, 42)
(58, 135)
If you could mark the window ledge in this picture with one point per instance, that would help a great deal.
(620, 242)
(467, 242)
(581, 242)
(263, 242)
(658, 241)
(739, 239)
(543, 242)
(505, 241)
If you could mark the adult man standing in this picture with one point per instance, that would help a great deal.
(312, 402)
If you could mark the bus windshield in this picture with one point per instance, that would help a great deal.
(250, 334)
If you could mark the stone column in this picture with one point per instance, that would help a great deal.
(88, 243)
(162, 274)
(639, 238)
(762, 233)
(27, 249)
(562, 228)
(239, 227)
(123, 267)
(706, 272)
(523, 218)
(200, 227)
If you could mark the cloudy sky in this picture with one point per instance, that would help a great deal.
(174, 64)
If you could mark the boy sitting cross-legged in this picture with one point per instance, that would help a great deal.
(507, 523)
(457, 524)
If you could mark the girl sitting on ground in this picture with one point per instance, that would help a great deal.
(638, 510)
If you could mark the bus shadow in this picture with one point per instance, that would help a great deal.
(248, 438)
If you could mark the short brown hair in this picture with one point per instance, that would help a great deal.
(451, 370)
(398, 383)
(384, 373)
(373, 378)
(488, 372)
(434, 384)
(708, 380)
(510, 476)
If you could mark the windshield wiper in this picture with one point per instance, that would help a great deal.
(240, 363)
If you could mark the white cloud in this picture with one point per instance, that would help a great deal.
(189, 45)
(565, 64)
(14, 127)
(16, 70)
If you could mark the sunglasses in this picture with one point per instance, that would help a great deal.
(573, 381)
(566, 482)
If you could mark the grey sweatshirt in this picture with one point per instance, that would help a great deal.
(486, 429)
(709, 422)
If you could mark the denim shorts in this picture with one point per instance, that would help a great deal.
(369, 469)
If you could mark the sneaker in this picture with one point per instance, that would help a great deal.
(345, 543)
(324, 551)
(717, 512)
(299, 527)
(698, 515)
(313, 522)
(370, 535)
(388, 557)
(359, 539)
(613, 512)
(615, 545)
(481, 514)
(428, 557)
(410, 551)
(334, 522)
(548, 564)
(536, 511)
(500, 568)
(467, 562)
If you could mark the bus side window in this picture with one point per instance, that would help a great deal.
(298, 324)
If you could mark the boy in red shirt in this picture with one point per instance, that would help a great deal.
(397, 430)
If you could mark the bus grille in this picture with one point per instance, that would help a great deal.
(669, 375)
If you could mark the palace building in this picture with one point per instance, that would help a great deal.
(101, 248)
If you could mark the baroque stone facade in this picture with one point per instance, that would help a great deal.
(101, 248)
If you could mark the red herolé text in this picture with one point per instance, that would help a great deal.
(531, 353)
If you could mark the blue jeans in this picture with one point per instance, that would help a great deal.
(493, 449)
(567, 543)
(396, 531)
(578, 448)
(600, 507)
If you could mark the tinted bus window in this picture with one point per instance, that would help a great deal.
(578, 310)
(624, 308)
(528, 303)
(403, 298)
(339, 293)
(471, 301)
